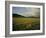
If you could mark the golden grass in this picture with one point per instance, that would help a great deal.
(25, 20)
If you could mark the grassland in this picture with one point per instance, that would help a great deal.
(26, 23)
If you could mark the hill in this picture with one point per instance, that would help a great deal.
(17, 15)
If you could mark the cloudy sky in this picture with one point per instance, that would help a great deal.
(26, 11)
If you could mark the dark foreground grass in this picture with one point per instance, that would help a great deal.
(26, 24)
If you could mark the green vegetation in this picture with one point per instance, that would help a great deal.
(26, 23)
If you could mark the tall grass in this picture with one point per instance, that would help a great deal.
(26, 24)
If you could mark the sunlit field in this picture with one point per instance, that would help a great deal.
(21, 23)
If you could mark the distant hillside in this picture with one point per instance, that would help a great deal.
(17, 15)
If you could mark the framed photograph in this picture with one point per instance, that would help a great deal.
(24, 18)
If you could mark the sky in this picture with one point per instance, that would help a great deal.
(26, 11)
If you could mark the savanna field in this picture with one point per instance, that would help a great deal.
(21, 23)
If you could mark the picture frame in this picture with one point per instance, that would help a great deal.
(10, 6)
